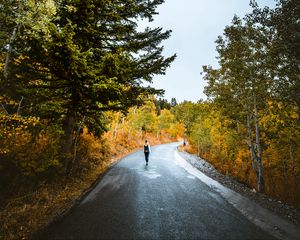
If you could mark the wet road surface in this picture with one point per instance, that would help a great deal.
(158, 201)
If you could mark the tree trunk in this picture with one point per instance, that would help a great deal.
(77, 135)
(294, 169)
(158, 133)
(129, 133)
(19, 106)
(122, 124)
(259, 149)
(298, 95)
(9, 51)
(67, 140)
(298, 108)
(116, 129)
(251, 143)
(184, 135)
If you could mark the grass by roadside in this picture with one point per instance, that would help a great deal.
(22, 216)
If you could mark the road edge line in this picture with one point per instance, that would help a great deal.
(262, 217)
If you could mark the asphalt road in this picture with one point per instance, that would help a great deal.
(158, 201)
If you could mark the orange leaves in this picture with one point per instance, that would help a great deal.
(175, 130)
(14, 131)
(27, 146)
(223, 141)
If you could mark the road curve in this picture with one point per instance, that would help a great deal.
(159, 201)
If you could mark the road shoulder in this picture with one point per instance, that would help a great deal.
(256, 207)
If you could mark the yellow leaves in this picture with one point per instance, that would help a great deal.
(32, 151)
(14, 131)
(176, 130)
(20, 59)
(278, 115)
(294, 115)
(224, 142)
(71, 8)
(4, 151)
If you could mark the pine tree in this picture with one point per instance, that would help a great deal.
(90, 58)
(173, 102)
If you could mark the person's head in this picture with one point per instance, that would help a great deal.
(146, 141)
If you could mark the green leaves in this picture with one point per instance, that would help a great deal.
(255, 72)
(74, 60)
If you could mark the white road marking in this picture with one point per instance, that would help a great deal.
(263, 218)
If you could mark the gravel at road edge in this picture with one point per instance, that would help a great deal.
(280, 208)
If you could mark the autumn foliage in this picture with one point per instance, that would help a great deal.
(30, 147)
(249, 127)
(224, 143)
(34, 186)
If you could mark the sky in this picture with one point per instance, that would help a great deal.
(196, 24)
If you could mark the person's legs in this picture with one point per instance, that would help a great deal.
(147, 158)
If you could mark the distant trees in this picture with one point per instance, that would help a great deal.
(186, 113)
(173, 102)
(143, 122)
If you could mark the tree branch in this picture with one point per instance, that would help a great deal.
(19, 105)
(9, 51)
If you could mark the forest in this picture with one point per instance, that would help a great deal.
(76, 95)
(66, 66)
(249, 127)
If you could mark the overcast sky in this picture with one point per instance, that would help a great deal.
(196, 24)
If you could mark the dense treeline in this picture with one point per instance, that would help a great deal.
(64, 66)
(147, 121)
(74, 93)
(250, 126)
(35, 193)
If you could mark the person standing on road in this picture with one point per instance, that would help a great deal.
(147, 151)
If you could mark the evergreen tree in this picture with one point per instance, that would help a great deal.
(89, 58)
(173, 102)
